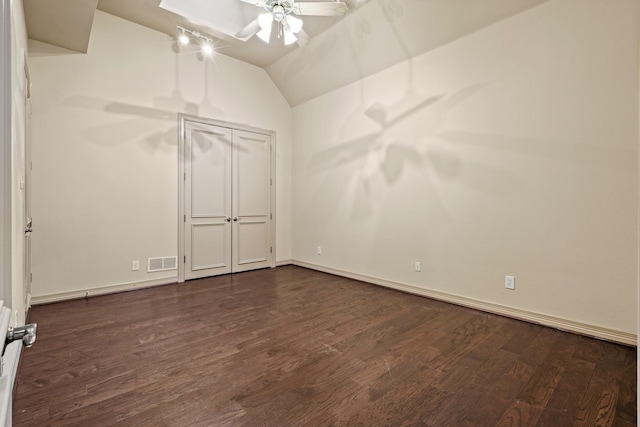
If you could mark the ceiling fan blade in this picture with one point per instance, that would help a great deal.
(258, 3)
(329, 8)
(249, 31)
(303, 38)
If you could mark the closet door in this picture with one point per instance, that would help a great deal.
(207, 200)
(251, 201)
(226, 200)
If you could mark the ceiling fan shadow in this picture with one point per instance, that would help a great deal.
(391, 10)
(136, 125)
(207, 109)
(126, 109)
(139, 111)
(362, 199)
(313, 54)
(444, 162)
(407, 136)
(386, 118)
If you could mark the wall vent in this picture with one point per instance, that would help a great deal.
(162, 264)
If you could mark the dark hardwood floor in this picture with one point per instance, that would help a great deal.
(291, 347)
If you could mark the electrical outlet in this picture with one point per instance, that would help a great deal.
(418, 266)
(509, 282)
(319, 250)
(135, 265)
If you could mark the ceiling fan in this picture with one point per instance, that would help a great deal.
(288, 26)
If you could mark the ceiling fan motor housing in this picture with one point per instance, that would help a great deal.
(280, 9)
(278, 13)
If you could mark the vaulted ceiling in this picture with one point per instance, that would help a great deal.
(374, 34)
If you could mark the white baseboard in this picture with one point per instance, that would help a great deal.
(516, 313)
(84, 293)
(284, 262)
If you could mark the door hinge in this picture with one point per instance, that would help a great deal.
(271, 216)
(185, 176)
(185, 218)
(270, 181)
(31, 278)
(270, 249)
(184, 260)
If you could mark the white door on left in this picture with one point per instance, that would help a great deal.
(207, 222)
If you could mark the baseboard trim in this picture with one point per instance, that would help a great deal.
(284, 262)
(84, 293)
(516, 313)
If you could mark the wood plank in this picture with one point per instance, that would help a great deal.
(291, 346)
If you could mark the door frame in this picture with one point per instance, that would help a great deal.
(28, 189)
(6, 247)
(183, 119)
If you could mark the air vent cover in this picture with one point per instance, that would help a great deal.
(161, 264)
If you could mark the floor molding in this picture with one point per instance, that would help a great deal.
(529, 316)
(284, 262)
(90, 292)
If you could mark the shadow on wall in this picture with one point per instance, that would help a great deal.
(416, 133)
(405, 130)
(140, 118)
(412, 134)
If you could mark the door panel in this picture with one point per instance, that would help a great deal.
(251, 200)
(210, 174)
(252, 243)
(207, 200)
(208, 246)
(252, 190)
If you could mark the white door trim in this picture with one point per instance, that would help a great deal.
(183, 119)
(6, 289)
(28, 218)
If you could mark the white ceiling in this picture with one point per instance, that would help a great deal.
(67, 24)
(374, 35)
(379, 34)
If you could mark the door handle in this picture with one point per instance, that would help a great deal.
(26, 333)
(235, 219)
(28, 230)
(228, 219)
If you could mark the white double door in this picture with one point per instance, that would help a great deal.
(227, 200)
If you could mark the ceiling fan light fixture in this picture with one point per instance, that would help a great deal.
(281, 11)
(264, 34)
(295, 24)
(289, 37)
(265, 21)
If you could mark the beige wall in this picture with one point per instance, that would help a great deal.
(511, 151)
(105, 150)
